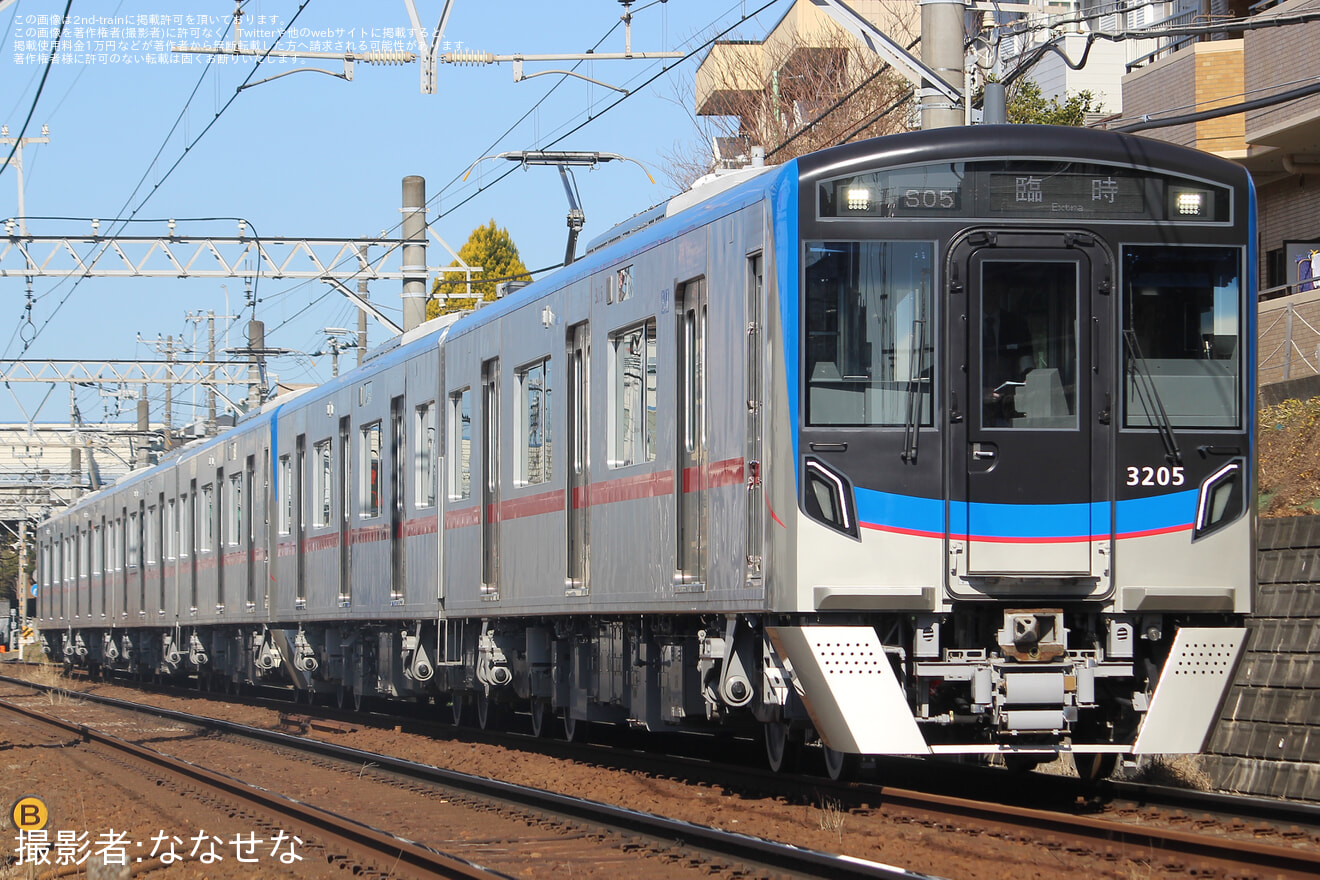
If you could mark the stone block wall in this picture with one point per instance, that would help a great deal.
(1267, 741)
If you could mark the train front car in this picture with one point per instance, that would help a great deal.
(1018, 375)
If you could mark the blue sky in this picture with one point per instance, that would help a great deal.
(310, 155)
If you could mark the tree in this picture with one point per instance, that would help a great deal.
(1027, 105)
(820, 90)
(493, 250)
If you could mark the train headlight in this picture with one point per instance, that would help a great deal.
(858, 198)
(1189, 203)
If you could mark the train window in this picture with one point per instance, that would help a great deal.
(369, 504)
(460, 442)
(185, 526)
(206, 527)
(322, 484)
(171, 529)
(153, 536)
(234, 511)
(1183, 307)
(533, 429)
(133, 536)
(633, 399)
(285, 490)
(424, 453)
(868, 341)
(98, 552)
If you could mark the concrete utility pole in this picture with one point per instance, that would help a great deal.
(942, 52)
(414, 251)
(17, 162)
(362, 325)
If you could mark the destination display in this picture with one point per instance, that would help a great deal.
(1025, 190)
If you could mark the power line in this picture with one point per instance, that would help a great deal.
(177, 162)
(50, 60)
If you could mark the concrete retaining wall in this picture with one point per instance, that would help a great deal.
(1268, 738)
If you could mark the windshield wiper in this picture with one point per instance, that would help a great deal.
(1150, 398)
(911, 423)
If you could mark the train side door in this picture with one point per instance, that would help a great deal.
(576, 500)
(1034, 458)
(490, 477)
(398, 480)
(345, 482)
(690, 479)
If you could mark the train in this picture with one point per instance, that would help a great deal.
(938, 443)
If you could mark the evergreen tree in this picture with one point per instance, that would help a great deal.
(493, 250)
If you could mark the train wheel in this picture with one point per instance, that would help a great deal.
(490, 714)
(782, 750)
(457, 705)
(541, 716)
(1093, 768)
(575, 729)
(840, 765)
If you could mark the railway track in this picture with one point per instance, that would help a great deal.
(708, 849)
(1204, 843)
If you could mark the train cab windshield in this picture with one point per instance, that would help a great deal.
(1182, 307)
(869, 342)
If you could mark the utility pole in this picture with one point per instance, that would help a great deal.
(942, 52)
(17, 162)
(362, 325)
(414, 251)
(169, 388)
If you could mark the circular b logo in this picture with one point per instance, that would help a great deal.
(29, 813)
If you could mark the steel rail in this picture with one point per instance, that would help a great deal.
(784, 858)
(386, 846)
(1203, 847)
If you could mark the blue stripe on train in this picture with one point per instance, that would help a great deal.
(925, 516)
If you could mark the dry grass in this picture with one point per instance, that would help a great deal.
(831, 816)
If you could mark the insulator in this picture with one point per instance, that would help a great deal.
(464, 56)
(386, 57)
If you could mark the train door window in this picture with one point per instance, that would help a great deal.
(533, 428)
(632, 398)
(98, 552)
(322, 484)
(460, 441)
(206, 523)
(424, 455)
(1029, 350)
(284, 486)
(234, 511)
(171, 530)
(1182, 328)
(299, 520)
(185, 526)
(153, 535)
(369, 501)
(133, 536)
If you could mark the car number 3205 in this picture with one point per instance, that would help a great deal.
(1156, 476)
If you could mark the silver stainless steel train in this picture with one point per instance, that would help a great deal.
(938, 443)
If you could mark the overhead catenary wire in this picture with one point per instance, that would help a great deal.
(665, 68)
(50, 60)
(179, 161)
